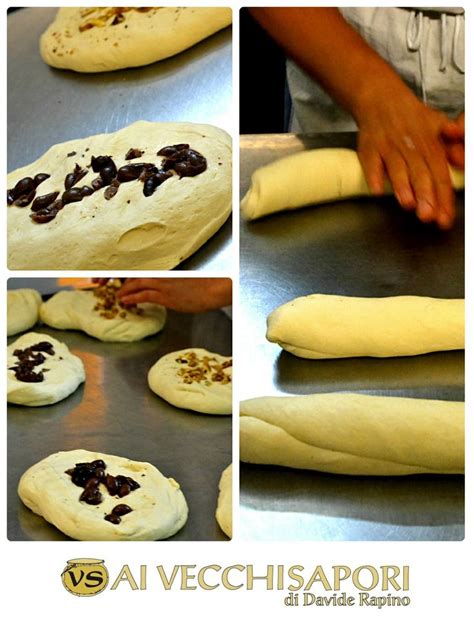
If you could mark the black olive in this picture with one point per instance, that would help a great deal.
(44, 200)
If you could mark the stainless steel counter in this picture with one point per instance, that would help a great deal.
(365, 247)
(47, 106)
(115, 412)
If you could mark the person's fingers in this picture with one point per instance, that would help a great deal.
(372, 166)
(422, 184)
(441, 180)
(455, 154)
(133, 285)
(143, 296)
(398, 175)
(454, 129)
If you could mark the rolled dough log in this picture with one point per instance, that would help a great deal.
(224, 502)
(158, 506)
(23, 310)
(346, 433)
(329, 326)
(311, 177)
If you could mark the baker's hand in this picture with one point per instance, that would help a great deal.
(402, 139)
(452, 134)
(186, 295)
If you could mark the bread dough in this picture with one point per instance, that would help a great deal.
(159, 508)
(224, 502)
(194, 379)
(65, 372)
(311, 177)
(23, 310)
(86, 39)
(346, 433)
(74, 309)
(128, 231)
(325, 326)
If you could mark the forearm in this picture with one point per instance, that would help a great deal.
(333, 53)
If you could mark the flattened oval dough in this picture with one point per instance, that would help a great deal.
(22, 310)
(311, 177)
(141, 38)
(128, 231)
(346, 433)
(224, 502)
(159, 506)
(202, 394)
(329, 326)
(65, 372)
(74, 309)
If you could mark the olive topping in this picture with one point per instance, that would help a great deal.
(72, 195)
(24, 200)
(126, 173)
(117, 513)
(75, 176)
(23, 187)
(86, 191)
(134, 153)
(112, 518)
(28, 359)
(108, 173)
(44, 200)
(39, 178)
(97, 184)
(10, 198)
(152, 182)
(47, 214)
(169, 151)
(90, 475)
(111, 189)
(98, 163)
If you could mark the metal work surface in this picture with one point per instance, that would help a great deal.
(47, 106)
(115, 412)
(365, 247)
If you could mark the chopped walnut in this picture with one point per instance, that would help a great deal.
(203, 369)
(109, 306)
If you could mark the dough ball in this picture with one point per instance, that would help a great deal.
(22, 310)
(158, 508)
(224, 502)
(330, 326)
(84, 310)
(56, 375)
(194, 379)
(96, 39)
(129, 223)
(346, 433)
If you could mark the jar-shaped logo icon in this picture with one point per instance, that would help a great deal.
(85, 576)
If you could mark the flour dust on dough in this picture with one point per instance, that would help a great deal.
(311, 177)
(158, 508)
(55, 375)
(345, 433)
(97, 39)
(194, 379)
(100, 314)
(329, 326)
(224, 502)
(22, 310)
(117, 226)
